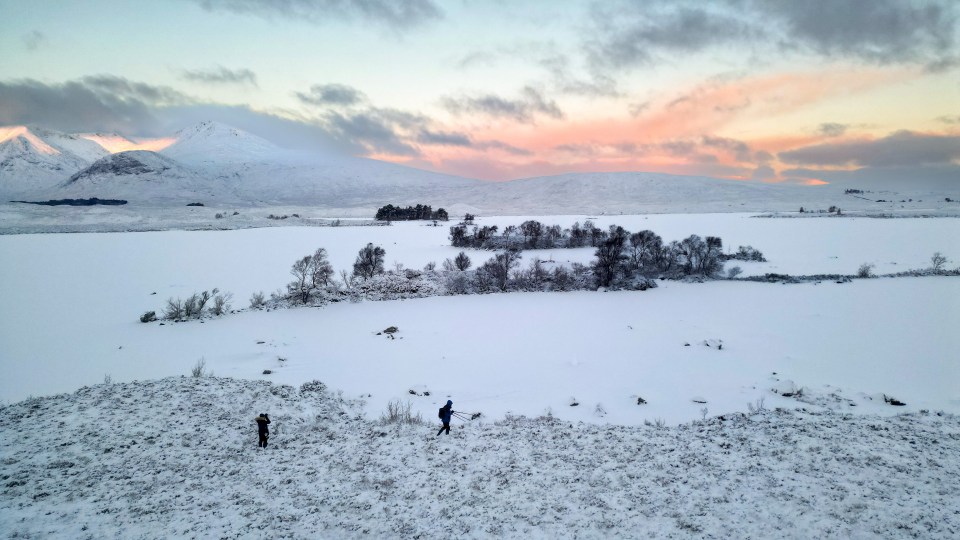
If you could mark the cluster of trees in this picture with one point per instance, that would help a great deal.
(410, 213)
(530, 234)
(621, 255)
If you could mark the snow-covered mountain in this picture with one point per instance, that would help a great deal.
(224, 164)
(216, 145)
(35, 159)
(140, 175)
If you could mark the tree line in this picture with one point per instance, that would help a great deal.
(620, 254)
(410, 213)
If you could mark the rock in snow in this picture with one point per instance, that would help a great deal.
(177, 457)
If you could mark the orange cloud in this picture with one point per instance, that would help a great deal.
(668, 137)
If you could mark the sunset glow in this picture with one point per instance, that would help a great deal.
(755, 91)
(116, 143)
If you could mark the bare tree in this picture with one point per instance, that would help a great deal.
(498, 267)
(221, 304)
(937, 261)
(310, 273)
(369, 262)
(462, 262)
(174, 309)
(190, 306)
(257, 300)
(610, 258)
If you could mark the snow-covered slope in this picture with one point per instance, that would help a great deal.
(232, 165)
(177, 457)
(35, 159)
(143, 175)
(215, 145)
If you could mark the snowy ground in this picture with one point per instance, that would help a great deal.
(516, 353)
(177, 458)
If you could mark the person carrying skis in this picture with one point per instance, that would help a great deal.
(445, 414)
(262, 429)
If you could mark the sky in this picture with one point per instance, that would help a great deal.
(770, 91)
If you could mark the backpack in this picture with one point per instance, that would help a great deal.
(440, 414)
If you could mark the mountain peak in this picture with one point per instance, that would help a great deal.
(210, 141)
(25, 137)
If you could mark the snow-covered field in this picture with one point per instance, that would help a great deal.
(155, 453)
(176, 458)
(521, 353)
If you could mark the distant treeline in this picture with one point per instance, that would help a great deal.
(410, 213)
(76, 202)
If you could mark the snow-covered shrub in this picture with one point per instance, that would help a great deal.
(400, 413)
(221, 304)
(734, 272)
(314, 386)
(199, 369)
(757, 406)
(458, 282)
(746, 253)
(257, 300)
(173, 310)
(191, 306)
(865, 270)
(393, 286)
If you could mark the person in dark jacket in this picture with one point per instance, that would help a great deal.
(262, 429)
(447, 414)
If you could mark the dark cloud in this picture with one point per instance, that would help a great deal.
(762, 157)
(377, 131)
(638, 33)
(111, 85)
(832, 129)
(763, 173)
(502, 146)
(221, 75)
(739, 149)
(563, 80)
(900, 149)
(442, 138)
(395, 14)
(531, 103)
(33, 39)
(883, 31)
(949, 119)
(97, 103)
(332, 95)
(939, 177)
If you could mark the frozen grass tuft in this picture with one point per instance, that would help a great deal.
(399, 412)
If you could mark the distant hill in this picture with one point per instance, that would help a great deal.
(35, 159)
(141, 175)
(215, 163)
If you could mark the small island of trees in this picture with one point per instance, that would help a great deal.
(411, 213)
